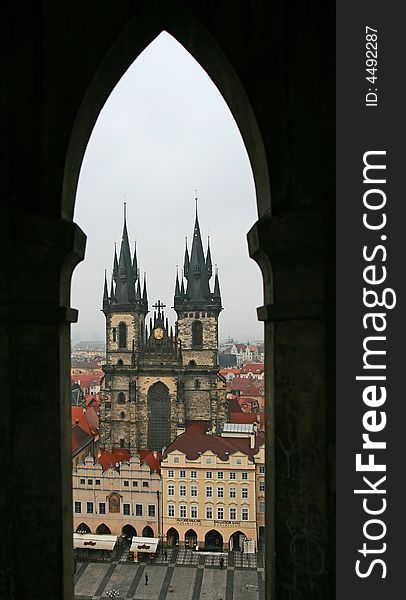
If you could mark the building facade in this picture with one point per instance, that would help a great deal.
(210, 487)
(157, 378)
(122, 499)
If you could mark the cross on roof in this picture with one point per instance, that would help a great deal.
(159, 305)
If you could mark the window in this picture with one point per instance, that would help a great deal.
(244, 493)
(122, 415)
(262, 469)
(171, 490)
(220, 492)
(107, 405)
(135, 483)
(89, 507)
(83, 481)
(209, 491)
(193, 490)
(171, 510)
(233, 492)
(78, 507)
(244, 514)
(208, 461)
(209, 475)
(238, 461)
(97, 481)
(171, 474)
(261, 506)
(197, 384)
(151, 510)
(197, 333)
(145, 484)
(220, 513)
(182, 490)
(122, 335)
(209, 512)
(220, 475)
(233, 513)
(193, 511)
(121, 443)
(262, 485)
(244, 475)
(182, 511)
(114, 334)
(193, 474)
(102, 508)
(90, 482)
(176, 459)
(126, 509)
(233, 475)
(121, 398)
(182, 474)
(138, 510)
(126, 483)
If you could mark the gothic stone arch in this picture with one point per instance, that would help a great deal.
(159, 416)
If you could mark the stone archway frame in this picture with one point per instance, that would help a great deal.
(179, 21)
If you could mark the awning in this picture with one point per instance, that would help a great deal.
(144, 544)
(92, 541)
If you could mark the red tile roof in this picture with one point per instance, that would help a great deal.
(194, 441)
(112, 458)
(243, 417)
(79, 439)
(152, 458)
(233, 405)
(253, 368)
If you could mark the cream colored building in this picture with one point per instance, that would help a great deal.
(210, 488)
(124, 498)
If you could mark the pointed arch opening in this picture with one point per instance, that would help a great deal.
(159, 416)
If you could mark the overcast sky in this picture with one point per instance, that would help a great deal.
(165, 132)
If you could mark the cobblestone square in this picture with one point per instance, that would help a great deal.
(185, 575)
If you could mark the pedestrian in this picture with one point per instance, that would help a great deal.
(221, 562)
(146, 578)
(166, 555)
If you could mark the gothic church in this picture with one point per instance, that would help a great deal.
(159, 378)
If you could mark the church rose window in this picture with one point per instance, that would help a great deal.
(197, 333)
(122, 335)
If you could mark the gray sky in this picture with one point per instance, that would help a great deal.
(164, 132)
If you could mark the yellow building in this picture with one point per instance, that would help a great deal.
(122, 496)
(210, 487)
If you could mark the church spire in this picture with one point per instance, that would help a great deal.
(177, 287)
(125, 282)
(186, 260)
(106, 302)
(115, 263)
(209, 265)
(216, 293)
(198, 280)
(135, 264)
(144, 293)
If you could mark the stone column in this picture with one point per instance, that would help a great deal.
(299, 345)
(38, 256)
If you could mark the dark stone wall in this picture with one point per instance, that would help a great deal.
(274, 64)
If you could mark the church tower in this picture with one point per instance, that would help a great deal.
(198, 310)
(125, 309)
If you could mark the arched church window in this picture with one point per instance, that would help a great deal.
(114, 331)
(159, 413)
(122, 415)
(192, 363)
(197, 333)
(120, 362)
(197, 384)
(121, 398)
(122, 335)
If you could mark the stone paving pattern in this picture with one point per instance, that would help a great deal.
(185, 575)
